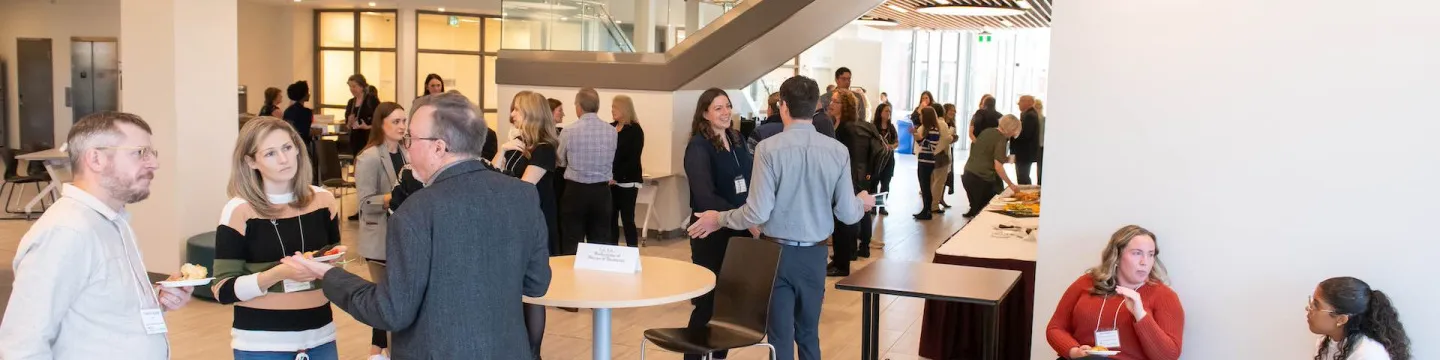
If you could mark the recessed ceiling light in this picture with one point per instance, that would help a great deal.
(1007, 23)
(504, 14)
(564, 18)
(442, 9)
(619, 22)
(943, 2)
(897, 8)
(873, 21)
(297, 0)
(1022, 4)
(969, 10)
(372, 4)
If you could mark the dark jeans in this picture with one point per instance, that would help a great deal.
(925, 172)
(709, 252)
(1022, 172)
(882, 184)
(585, 210)
(795, 302)
(979, 191)
(624, 214)
(534, 326)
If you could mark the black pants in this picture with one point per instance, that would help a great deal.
(624, 214)
(358, 138)
(882, 184)
(1040, 167)
(925, 171)
(534, 326)
(950, 179)
(709, 252)
(979, 191)
(1022, 172)
(585, 209)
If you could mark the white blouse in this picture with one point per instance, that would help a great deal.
(1366, 349)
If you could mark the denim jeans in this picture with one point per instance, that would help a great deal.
(322, 352)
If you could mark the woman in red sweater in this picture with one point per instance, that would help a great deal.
(1124, 305)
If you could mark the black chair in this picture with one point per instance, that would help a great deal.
(327, 154)
(13, 178)
(742, 304)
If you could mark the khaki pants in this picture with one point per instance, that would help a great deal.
(937, 179)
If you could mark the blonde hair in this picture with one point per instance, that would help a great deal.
(1104, 275)
(1010, 125)
(1039, 107)
(538, 123)
(626, 107)
(246, 183)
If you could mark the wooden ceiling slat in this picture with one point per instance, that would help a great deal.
(1038, 16)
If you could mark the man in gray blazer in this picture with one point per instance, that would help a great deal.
(462, 252)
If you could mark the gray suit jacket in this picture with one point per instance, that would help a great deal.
(374, 177)
(462, 253)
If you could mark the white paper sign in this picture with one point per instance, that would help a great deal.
(610, 258)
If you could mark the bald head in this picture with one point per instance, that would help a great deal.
(1026, 102)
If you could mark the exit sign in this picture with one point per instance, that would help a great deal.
(984, 37)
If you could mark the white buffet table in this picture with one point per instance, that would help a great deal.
(977, 239)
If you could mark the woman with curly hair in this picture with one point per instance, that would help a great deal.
(1359, 323)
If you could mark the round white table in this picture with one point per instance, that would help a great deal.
(660, 281)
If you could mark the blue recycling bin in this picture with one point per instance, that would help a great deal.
(907, 142)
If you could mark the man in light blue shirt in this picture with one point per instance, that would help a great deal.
(587, 151)
(800, 185)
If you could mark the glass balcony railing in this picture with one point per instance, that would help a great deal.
(606, 25)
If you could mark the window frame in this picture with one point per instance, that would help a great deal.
(355, 49)
(484, 19)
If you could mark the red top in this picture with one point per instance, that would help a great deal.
(1156, 337)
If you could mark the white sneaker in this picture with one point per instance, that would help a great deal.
(378, 357)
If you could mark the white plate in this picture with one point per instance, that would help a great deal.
(1101, 353)
(184, 283)
(328, 258)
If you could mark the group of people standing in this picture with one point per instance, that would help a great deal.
(995, 140)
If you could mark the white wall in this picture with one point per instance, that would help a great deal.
(1268, 147)
(58, 22)
(267, 50)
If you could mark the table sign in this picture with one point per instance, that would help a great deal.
(610, 258)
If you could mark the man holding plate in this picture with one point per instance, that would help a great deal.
(81, 290)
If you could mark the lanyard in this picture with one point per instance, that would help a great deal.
(1115, 322)
(141, 280)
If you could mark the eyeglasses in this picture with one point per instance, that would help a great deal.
(140, 152)
(407, 140)
(1312, 305)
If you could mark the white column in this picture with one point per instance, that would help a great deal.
(692, 17)
(406, 78)
(645, 25)
(179, 64)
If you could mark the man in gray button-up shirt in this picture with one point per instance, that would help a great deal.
(797, 176)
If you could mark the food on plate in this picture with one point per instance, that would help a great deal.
(193, 272)
(1032, 209)
(1099, 348)
(328, 250)
(1027, 196)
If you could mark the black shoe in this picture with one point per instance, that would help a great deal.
(969, 216)
(944, 205)
(922, 217)
(832, 271)
(354, 217)
(884, 212)
(864, 251)
(569, 309)
(939, 210)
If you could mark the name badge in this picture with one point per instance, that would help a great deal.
(740, 187)
(621, 259)
(296, 286)
(154, 321)
(1108, 339)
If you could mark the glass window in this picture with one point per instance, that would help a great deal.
(377, 30)
(448, 32)
(337, 29)
(338, 65)
(340, 56)
(491, 93)
(379, 70)
(461, 72)
(492, 34)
